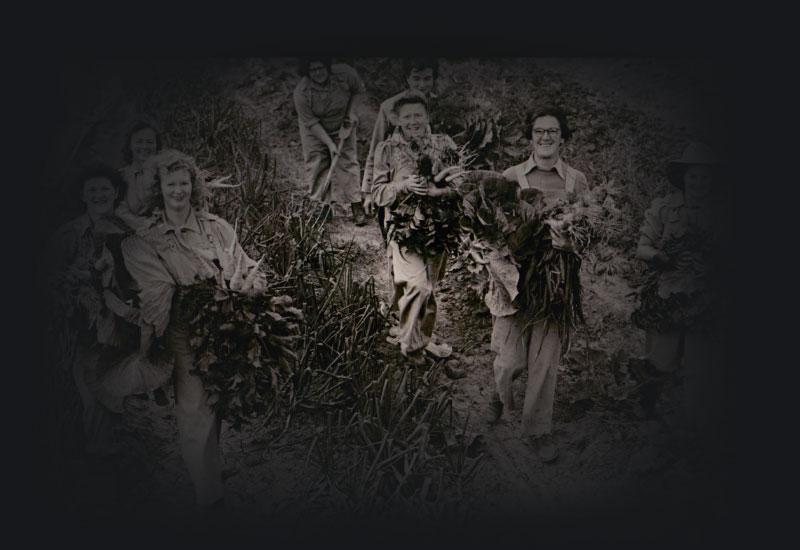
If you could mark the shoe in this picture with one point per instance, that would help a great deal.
(442, 351)
(416, 359)
(454, 373)
(545, 448)
(495, 410)
(359, 218)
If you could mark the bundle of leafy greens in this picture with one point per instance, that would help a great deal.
(427, 225)
(244, 347)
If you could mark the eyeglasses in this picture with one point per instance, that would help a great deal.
(539, 132)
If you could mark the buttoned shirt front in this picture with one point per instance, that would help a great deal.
(385, 125)
(396, 159)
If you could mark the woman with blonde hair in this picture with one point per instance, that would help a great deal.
(183, 244)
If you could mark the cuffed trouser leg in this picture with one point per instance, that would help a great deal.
(510, 344)
(417, 305)
(98, 422)
(198, 426)
(544, 354)
(663, 350)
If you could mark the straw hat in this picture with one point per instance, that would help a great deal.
(696, 153)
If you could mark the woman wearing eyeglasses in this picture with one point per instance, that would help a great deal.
(537, 348)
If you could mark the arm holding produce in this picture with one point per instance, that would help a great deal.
(237, 267)
(156, 285)
(386, 192)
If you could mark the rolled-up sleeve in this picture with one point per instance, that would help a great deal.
(237, 257)
(650, 232)
(156, 285)
(303, 107)
(384, 190)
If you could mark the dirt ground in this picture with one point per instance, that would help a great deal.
(613, 455)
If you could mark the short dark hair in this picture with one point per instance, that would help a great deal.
(420, 64)
(410, 99)
(304, 62)
(98, 170)
(137, 125)
(553, 111)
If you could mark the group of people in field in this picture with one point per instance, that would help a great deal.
(146, 234)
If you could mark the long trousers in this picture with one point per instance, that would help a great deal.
(417, 276)
(539, 349)
(198, 426)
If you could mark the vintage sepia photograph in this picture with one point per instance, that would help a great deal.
(420, 292)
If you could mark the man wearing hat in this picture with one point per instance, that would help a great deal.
(678, 239)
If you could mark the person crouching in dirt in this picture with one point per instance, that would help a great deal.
(184, 244)
(678, 239)
(86, 279)
(396, 177)
(327, 99)
(516, 345)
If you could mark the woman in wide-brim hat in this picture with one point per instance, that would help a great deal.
(678, 240)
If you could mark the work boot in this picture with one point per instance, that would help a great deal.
(545, 447)
(359, 218)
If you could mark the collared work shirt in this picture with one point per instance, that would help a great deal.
(560, 183)
(529, 176)
(396, 160)
(162, 257)
(669, 218)
(326, 104)
(385, 125)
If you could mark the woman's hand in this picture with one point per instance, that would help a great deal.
(438, 192)
(334, 151)
(449, 174)
(366, 198)
(414, 184)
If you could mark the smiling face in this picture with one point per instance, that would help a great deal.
(421, 80)
(99, 195)
(318, 72)
(546, 137)
(413, 120)
(176, 188)
(143, 144)
(697, 182)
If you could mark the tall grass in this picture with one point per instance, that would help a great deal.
(384, 434)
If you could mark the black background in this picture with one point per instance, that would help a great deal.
(727, 41)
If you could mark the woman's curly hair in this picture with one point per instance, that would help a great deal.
(168, 161)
